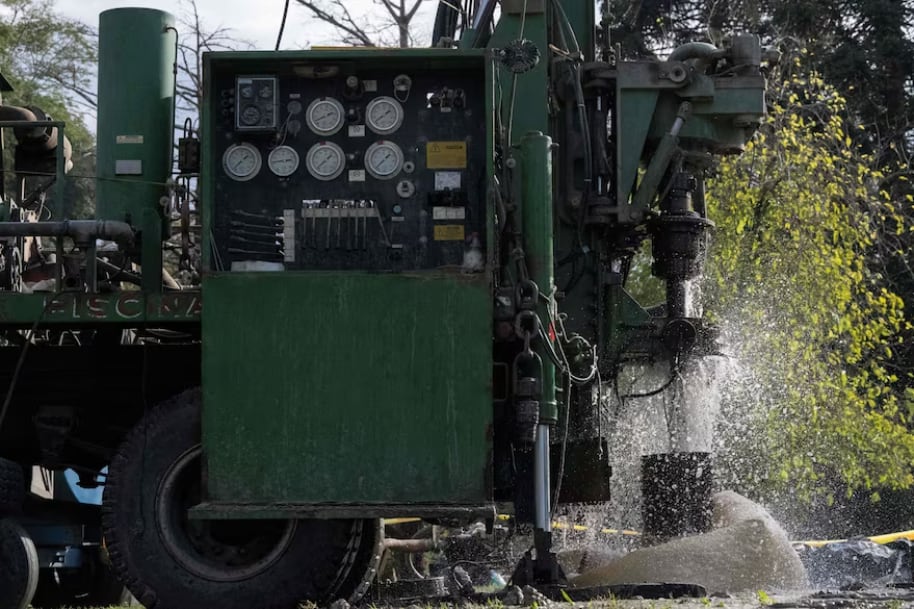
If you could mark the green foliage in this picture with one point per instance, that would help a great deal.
(799, 215)
(41, 49)
(49, 60)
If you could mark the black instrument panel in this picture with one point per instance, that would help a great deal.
(354, 164)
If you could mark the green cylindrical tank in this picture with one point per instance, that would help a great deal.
(136, 89)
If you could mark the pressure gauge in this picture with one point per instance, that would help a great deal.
(325, 116)
(250, 115)
(383, 160)
(325, 160)
(241, 161)
(384, 115)
(283, 161)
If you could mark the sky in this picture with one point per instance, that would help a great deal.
(253, 21)
(256, 21)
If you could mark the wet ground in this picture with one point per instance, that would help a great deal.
(868, 599)
(884, 598)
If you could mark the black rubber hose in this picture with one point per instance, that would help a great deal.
(446, 19)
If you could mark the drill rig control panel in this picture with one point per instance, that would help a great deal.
(348, 165)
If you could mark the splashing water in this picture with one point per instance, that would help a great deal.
(681, 418)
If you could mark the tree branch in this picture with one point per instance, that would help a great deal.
(343, 21)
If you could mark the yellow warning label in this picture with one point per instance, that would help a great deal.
(446, 155)
(449, 232)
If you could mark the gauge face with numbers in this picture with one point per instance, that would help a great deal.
(325, 161)
(325, 116)
(283, 161)
(383, 160)
(384, 115)
(241, 161)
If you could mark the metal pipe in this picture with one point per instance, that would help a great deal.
(541, 482)
(26, 132)
(82, 231)
(676, 298)
(413, 546)
(696, 50)
(37, 134)
(169, 281)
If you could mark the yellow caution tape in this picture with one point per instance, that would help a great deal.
(881, 539)
(388, 521)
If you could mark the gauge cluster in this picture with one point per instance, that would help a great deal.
(256, 103)
(350, 163)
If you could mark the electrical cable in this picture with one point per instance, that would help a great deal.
(658, 391)
(282, 25)
(557, 320)
(523, 24)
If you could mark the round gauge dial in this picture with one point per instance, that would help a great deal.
(283, 161)
(241, 161)
(384, 115)
(250, 115)
(383, 160)
(325, 160)
(325, 116)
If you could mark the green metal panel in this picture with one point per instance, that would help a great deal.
(524, 97)
(135, 127)
(130, 307)
(637, 107)
(347, 388)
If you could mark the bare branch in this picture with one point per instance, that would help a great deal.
(412, 11)
(340, 18)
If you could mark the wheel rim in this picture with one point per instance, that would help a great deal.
(217, 550)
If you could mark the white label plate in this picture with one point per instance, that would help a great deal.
(447, 180)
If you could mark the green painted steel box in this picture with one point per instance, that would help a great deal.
(347, 388)
(352, 365)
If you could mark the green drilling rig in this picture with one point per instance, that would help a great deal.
(413, 289)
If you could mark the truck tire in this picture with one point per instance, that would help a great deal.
(19, 575)
(170, 562)
(12, 487)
